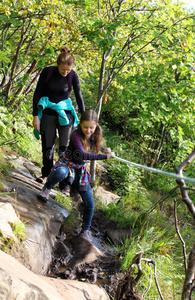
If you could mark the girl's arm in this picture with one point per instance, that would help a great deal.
(79, 152)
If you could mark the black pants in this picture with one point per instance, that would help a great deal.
(49, 127)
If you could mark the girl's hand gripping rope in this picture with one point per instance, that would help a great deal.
(110, 154)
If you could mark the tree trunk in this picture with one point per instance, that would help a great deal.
(190, 277)
(98, 110)
(10, 83)
(190, 272)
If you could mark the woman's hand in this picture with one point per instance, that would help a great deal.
(36, 123)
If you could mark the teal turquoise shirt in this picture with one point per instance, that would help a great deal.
(60, 108)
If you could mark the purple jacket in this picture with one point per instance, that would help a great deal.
(76, 152)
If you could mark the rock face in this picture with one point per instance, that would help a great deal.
(19, 283)
(8, 217)
(42, 222)
(106, 196)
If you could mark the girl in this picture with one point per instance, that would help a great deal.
(72, 165)
(52, 107)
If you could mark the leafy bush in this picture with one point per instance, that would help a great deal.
(6, 126)
(17, 135)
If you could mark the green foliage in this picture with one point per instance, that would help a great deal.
(19, 230)
(160, 244)
(144, 107)
(16, 134)
(5, 126)
(154, 234)
(71, 222)
(32, 34)
(122, 177)
(142, 56)
(4, 167)
(10, 244)
(157, 247)
(148, 211)
(66, 201)
(153, 241)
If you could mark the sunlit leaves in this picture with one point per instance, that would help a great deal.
(32, 33)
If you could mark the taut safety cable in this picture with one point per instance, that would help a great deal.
(155, 170)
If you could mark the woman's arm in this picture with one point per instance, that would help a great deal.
(77, 92)
(39, 90)
(36, 122)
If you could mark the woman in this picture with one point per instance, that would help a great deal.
(72, 166)
(52, 107)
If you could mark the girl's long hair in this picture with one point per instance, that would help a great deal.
(90, 115)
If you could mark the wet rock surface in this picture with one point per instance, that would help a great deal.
(42, 222)
(56, 253)
(85, 263)
(95, 262)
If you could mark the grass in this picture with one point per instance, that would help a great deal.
(64, 200)
(4, 167)
(147, 206)
(10, 244)
(155, 235)
(72, 221)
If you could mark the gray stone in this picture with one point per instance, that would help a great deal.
(118, 236)
(19, 283)
(21, 277)
(104, 196)
(8, 217)
(42, 220)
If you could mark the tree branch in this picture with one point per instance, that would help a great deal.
(188, 286)
(181, 183)
(127, 285)
(179, 235)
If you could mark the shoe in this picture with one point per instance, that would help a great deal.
(86, 234)
(44, 194)
(41, 179)
(66, 191)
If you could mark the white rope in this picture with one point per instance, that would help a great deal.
(155, 170)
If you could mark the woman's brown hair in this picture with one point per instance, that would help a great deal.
(90, 115)
(65, 57)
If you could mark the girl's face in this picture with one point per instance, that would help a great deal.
(88, 128)
(64, 70)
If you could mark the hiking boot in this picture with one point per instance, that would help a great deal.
(86, 234)
(41, 179)
(44, 194)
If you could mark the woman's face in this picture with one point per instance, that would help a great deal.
(64, 70)
(88, 128)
